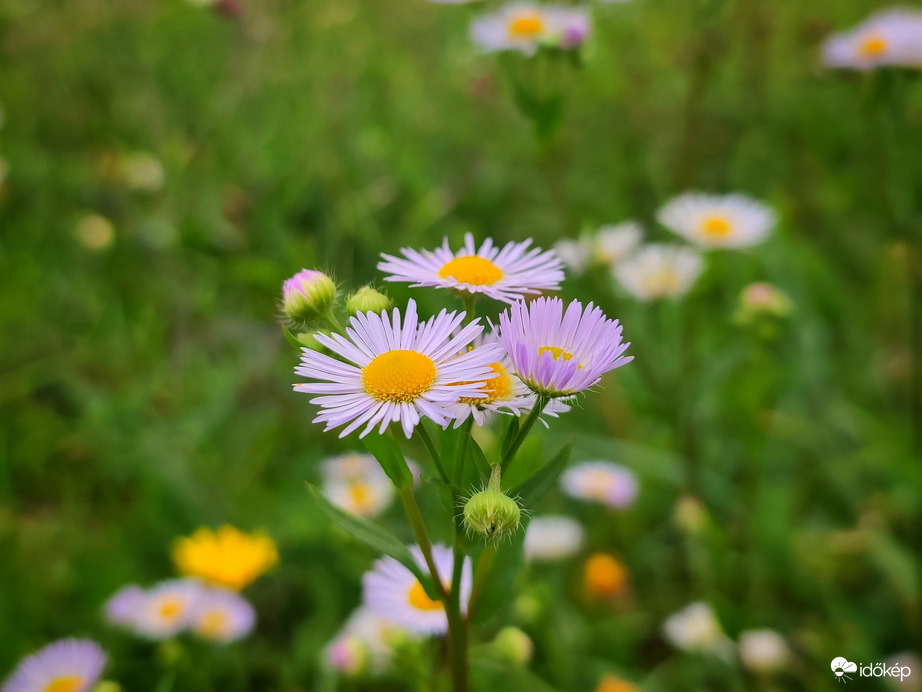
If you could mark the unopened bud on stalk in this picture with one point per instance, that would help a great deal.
(491, 512)
(367, 299)
(514, 646)
(307, 296)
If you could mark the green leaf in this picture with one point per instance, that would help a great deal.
(369, 533)
(533, 489)
(511, 431)
(497, 586)
(385, 449)
(528, 460)
(475, 453)
(292, 339)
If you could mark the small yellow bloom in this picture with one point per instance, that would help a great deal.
(226, 557)
(610, 683)
(604, 576)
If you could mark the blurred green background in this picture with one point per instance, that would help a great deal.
(145, 383)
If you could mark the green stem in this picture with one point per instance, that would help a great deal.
(457, 624)
(433, 452)
(470, 305)
(526, 427)
(330, 320)
(484, 565)
(422, 538)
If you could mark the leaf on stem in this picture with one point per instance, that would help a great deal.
(385, 449)
(535, 487)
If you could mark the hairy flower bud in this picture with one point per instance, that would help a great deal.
(307, 296)
(367, 299)
(491, 512)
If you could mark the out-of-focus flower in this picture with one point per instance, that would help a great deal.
(392, 592)
(357, 484)
(575, 254)
(891, 37)
(142, 171)
(167, 608)
(513, 646)
(124, 606)
(763, 299)
(612, 683)
(397, 372)
(690, 515)
(307, 296)
(95, 232)
(601, 481)
(367, 299)
(696, 629)
(551, 538)
(525, 26)
(604, 576)
(659, 271)
(608, 246)
(226, 557)
(912, 682)
(221, 615)
(718, 221)
(68, 665)
(506, 273)
(763, 651)
(557, 353)
(364, 645)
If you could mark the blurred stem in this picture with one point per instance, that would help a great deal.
(541, 401)
(422, 538)
(457, 623)
(484, 565)
(433, 452)
(470, 305)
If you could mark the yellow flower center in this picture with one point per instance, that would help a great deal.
(526, 26)
(399, 376)
(497, 388)
(65, 683)
(212, 625)
(604, 575)
(872, 47)
(556, 353)
(716, 227)
(419, 599)
(473, 270)
(360, 494)
(664, 282)
(170, 608)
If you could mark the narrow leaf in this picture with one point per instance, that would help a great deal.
(533, 489)
(385, 449)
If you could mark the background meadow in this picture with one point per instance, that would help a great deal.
(145, 383)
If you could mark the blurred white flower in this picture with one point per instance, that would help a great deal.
(696, 629)
(717, 221)
(890, 37)
(550, 538)
(143, 172)
(524, 26)
(600, 481)
(364, 645)
(575, 254)
(95, 232)
(659, 271)
(763, 651)
(222, 616)
(612, 244)
(167, 608)
(913, 681)
(357, 484)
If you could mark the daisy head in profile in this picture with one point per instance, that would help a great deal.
(891, 37)
(600, 481)
(717, 221)
(526, 26)
(357, 483)
(392, 592)
(69, 665)
(222, 616)
(550, 538)
(167, 609)
(658, 271)
(396, 370)
(505, 273)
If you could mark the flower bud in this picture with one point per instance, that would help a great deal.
(761, 303)
(514, 646)
(367, 299)
(307, 295)
(491, 512)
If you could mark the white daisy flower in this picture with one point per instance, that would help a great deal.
(395, 372)
(524, 26)
(696, 629)
(550, 538)
(613, 244)
(357, 484)
(659, 271)
(575, 254)
(365, 644)
(168, 608)
(763, 651)
(221, 615)
(890, 37)
(557, 353)
(392, 592)
(69, 665)
(504, 274)
(717, 221)
(600, 481)
(123, 606)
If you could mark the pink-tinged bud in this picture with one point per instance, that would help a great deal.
(307, 296)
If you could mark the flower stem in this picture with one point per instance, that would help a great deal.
(457, 623)
(433, 452)
(422, 538)
(510, 453)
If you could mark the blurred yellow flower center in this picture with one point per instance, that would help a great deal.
(227, 557)
(612, 684)
(213, 625)
(716, 227)
(557, 354)
(526, 26)
(360, 494)
(604, 575)
(873, 46)
(399, 376)
(495, 388)
(170, 608)
(473, 270)
(419, 599)
(662, 282)
(65, 683)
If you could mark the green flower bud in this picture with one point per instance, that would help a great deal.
(491, 512)
(367, 299)
(307, 296)
(513, 645)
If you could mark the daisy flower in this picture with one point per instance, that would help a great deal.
(600, 481)
(123, 606)
(659, 271)
(604, 576)
(575, 254)
(504, 274)
(395, 372)
(69, 665)
(613, 244)
(222, 616)
(717, 221)
(392, 592)
(524, 26)
(890, 37)
(227, 557)
(696, 629)
(365, 644)
(559, 353)
(550, 538)
(763, 651)
(167, 608)
(357, 484)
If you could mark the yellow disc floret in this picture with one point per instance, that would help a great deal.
(872, 47)
(227, 557)
(716, 227)
(419, 599)
(65, 683)
(497, 388)
(398, 376)
(213, 625)
(473, 270)
(556, 353)
(526, 26)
